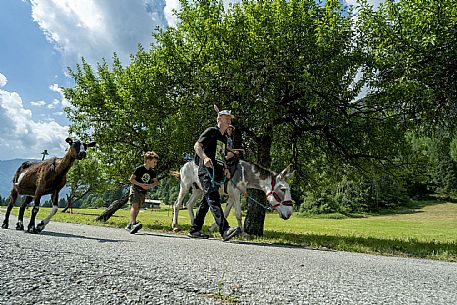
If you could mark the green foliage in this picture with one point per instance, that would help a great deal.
(3, 201)
(355, 194)
(167, 191)
(412, 46)
(293, 72)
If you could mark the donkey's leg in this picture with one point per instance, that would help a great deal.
(238, 215)
(13, 197)
(183, 189)
(55, 202)
(20, 218)
(196, 193)
(36, 208)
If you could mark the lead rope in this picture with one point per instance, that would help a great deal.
(214, 183)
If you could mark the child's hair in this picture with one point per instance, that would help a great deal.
(149, 155)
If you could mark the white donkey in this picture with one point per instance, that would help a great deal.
(246, 175)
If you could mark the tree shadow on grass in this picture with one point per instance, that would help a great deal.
(413, 207)
(395, 247)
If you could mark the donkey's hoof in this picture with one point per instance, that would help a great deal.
(20, 226)
(213, 228)
(175, 229)
(39, 227)
(4, 226)
(32, 230)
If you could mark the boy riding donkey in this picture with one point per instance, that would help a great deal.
(210, 157)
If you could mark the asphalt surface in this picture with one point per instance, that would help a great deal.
(81, 264)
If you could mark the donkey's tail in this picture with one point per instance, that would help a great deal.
(175, 174)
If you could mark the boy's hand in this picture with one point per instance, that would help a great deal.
(147, 186)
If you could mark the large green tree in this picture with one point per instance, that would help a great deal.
(412, 46)
(287, 69)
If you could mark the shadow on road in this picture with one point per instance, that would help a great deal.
(66, 235)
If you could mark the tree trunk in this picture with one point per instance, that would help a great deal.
(255, 217)
(69, 206)
(115, 205)
(72, 198)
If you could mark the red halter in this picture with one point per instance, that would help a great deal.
(276, 196)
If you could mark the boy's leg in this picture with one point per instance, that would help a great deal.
(134, 210)
(135, 199)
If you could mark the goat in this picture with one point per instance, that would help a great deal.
(35, 179)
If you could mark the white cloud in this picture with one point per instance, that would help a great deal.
(3, 80)
(95, 29)
(54, 104)
(38, 103)
(64, 102)
(22, 137)
(168, 11)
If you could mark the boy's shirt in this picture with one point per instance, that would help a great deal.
(143, 175)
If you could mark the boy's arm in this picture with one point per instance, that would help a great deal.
(144, 186)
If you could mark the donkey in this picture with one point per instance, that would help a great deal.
(40, 178)
(246, 175)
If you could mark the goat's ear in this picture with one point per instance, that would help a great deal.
(69, 140)
(91, 144)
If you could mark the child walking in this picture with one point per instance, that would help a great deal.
(142, 180)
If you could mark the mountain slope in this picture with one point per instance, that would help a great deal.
(8, 169)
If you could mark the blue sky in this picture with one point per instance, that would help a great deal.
(40, 39)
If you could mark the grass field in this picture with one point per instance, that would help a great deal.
(424, 229)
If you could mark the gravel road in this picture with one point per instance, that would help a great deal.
(81, 264)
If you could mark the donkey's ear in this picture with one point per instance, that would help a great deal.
(285, 171)
(69, 140)
(286, 174)
(216, 109)
(91, 144)
(289, 175)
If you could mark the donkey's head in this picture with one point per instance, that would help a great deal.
(78, 148)
(279, 197)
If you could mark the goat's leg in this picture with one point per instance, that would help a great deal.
(13, 197)
(31, 227)
(20, 218)
(55, 201)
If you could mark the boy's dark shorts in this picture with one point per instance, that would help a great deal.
(136, 197)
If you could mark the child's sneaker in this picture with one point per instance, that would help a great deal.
(129, 227)
(133, 228)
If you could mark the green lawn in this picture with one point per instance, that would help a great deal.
(425, 229)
